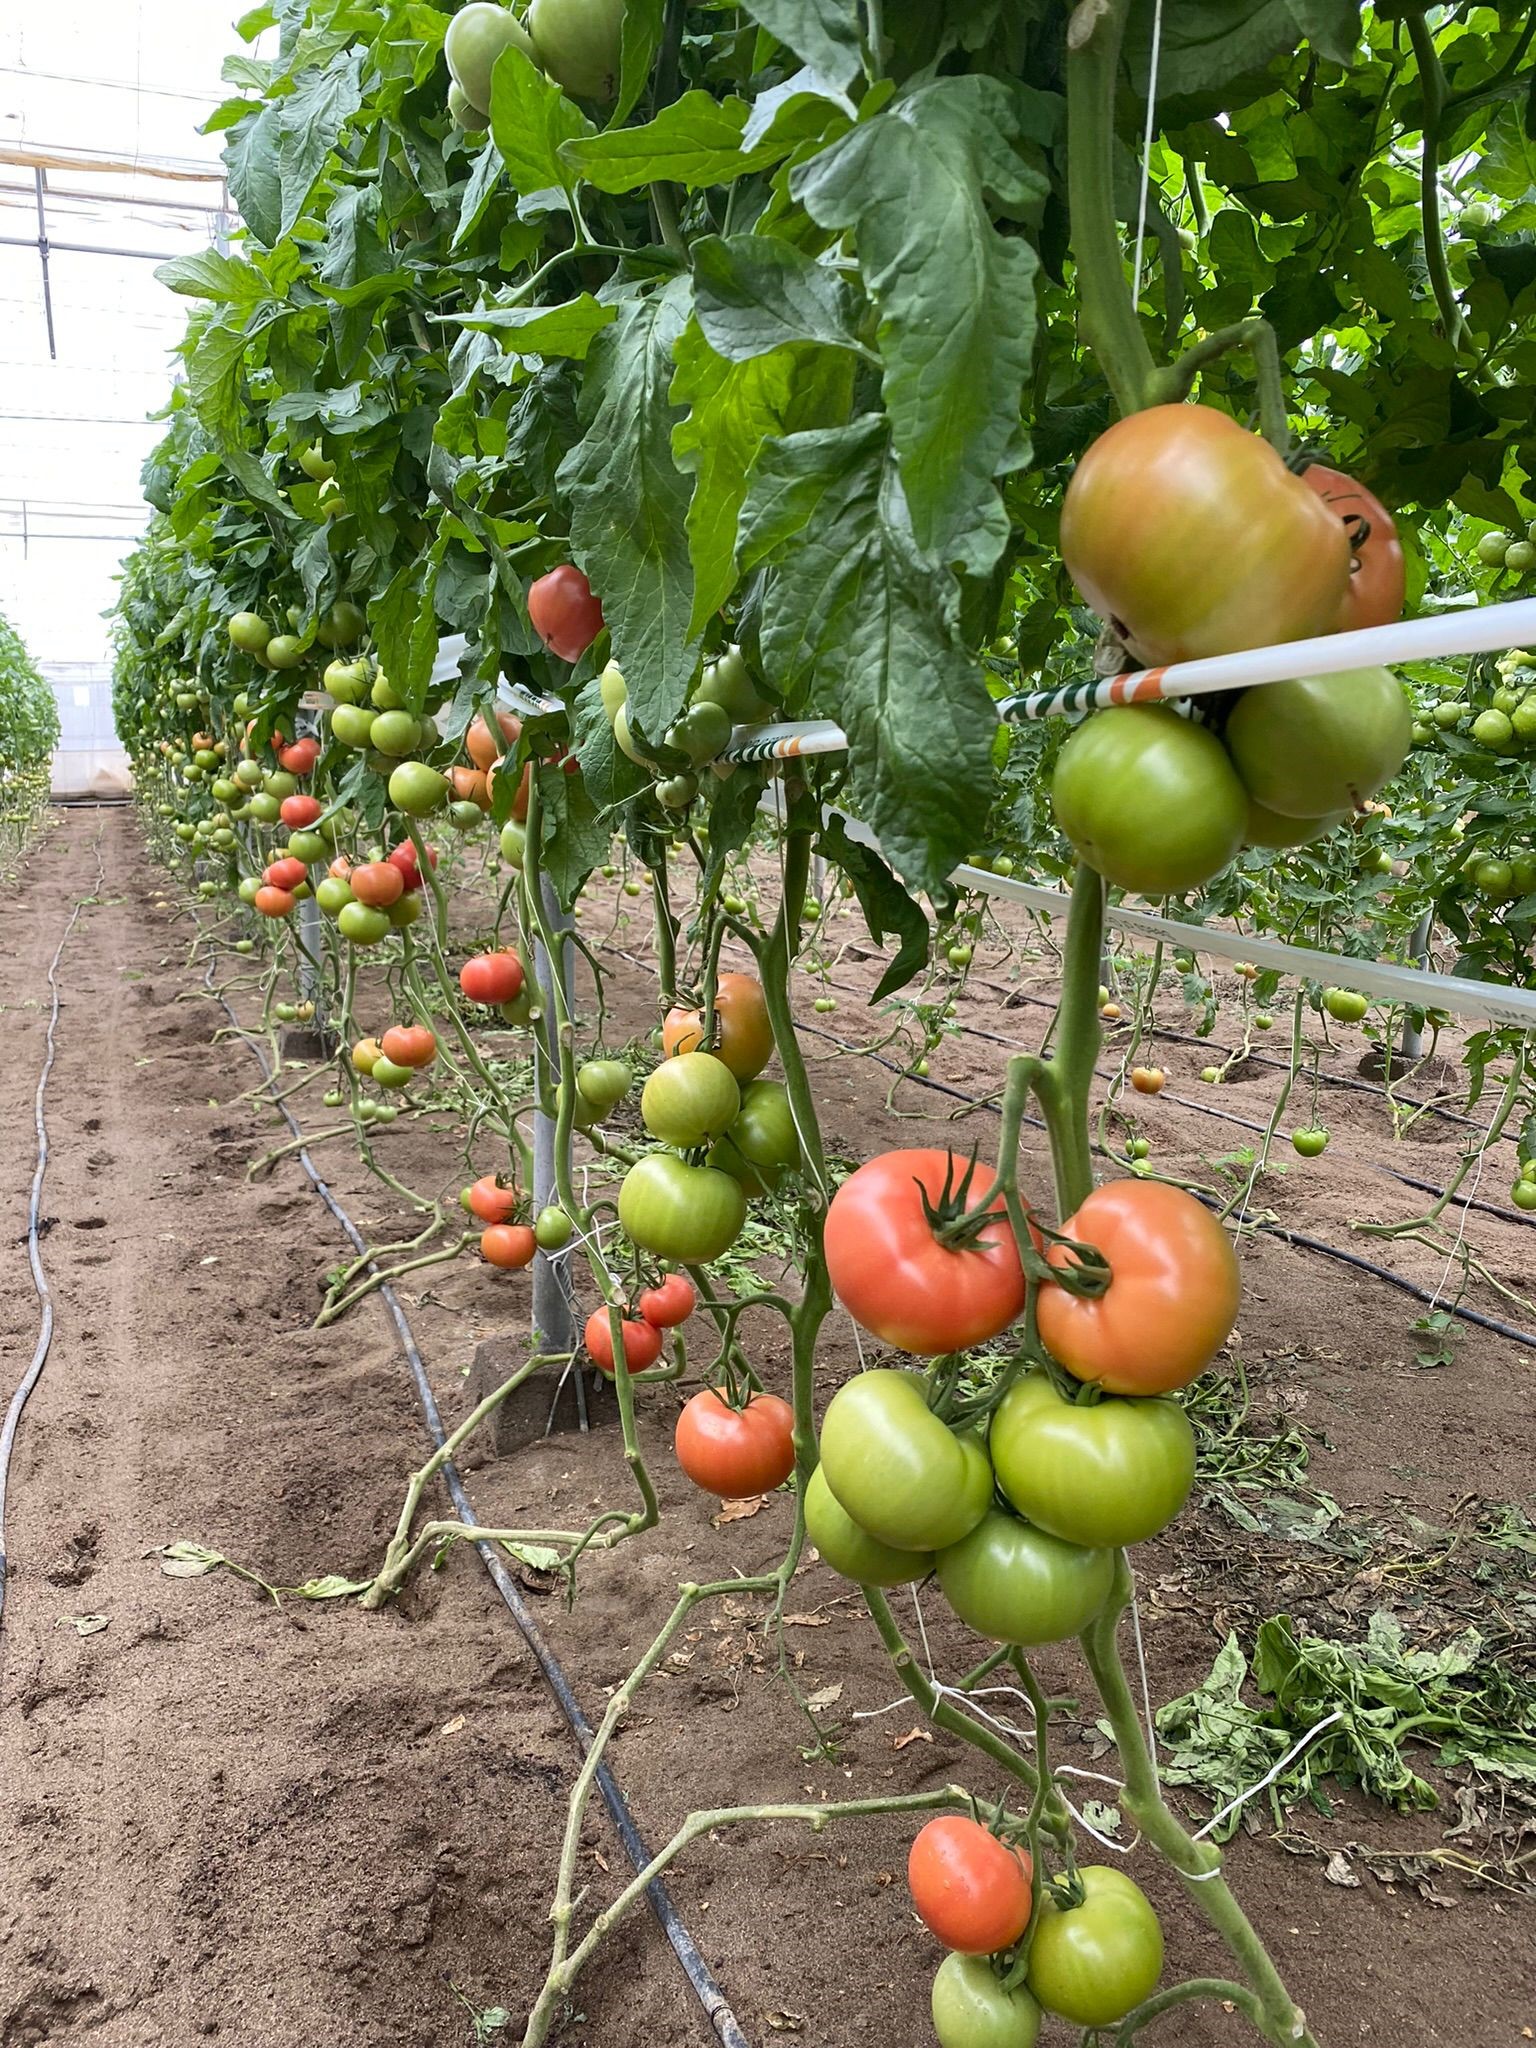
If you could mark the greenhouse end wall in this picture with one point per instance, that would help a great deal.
(89, 760)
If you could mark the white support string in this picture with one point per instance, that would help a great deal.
(1146, 145)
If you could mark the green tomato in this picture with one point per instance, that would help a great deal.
(577, 42)
(763, 1133)
(315, 465)
(1310, 1142)
(677, 792)
(690, 1099)
(383, 695)
(362, 924)
(248, 774)
(959, 956)
(245, 945)
(701, 732)
(344, 624)
(406, 911)
(1019, 1584)
(333, 1098)
(465, 817)
(824, 1005)
(248, 887)
(604, 1083)
(1505, 699)
(249, 632)
(417, 789)
(1523, 1194)
(1520, 558)
(1523, 870)
(1268, 828)
(1320, 744)
(389, 1074)
(1149, 800)
(1491, 549)
(681, 1213)
(394, 733)
(625, 744)
(307, 847)
(513, 843)
(345, 681)
(333, 894)
(1495, 731)
(1346, 1005)
(1450, 712)
(463, 113)
(1094, 1962)
(266, 810)
(1523, 719)
(1106, 1472)
(613, 690)
(727, 682)
(352, 724)
(553, 1230)
(284, 651)
(852, 1550)
(1495, 879)
(973, 2008)
(901, 1472)
(279, 783)
(384, 1112)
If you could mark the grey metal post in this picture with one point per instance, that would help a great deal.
(553, 1324)
(312, 936)
(1418, 954)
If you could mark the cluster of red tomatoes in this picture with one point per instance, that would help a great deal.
(1095, 1948)
(1019, 1518)
(1191, 538)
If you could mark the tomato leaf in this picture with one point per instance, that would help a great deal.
(310, 121)
(754, 293)
(565, 330)
(212, 275)
(912, 185)
(825, 33)
(530, 119)
(886, 905)
(641, 37)
(250, 160)
(576, 835)
(404, 626)
(639, 564)
(855, 610)
(695, 141)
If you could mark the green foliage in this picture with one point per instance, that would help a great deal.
(29, 723)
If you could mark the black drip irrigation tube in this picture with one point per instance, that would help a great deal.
(34, 1371)
(711, 1998)
(1243, 1123)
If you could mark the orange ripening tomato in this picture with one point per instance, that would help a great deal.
(508, 1245)
(893, 1275)
(1192, 537)
(641, 1340)
(470, 786)
(736, 1452)
(1378, 581)
(970, 1889)
(410, 1045)
(741, 1026)
(285, 873)
(482, 745)
(492, 977)
(300, 757)
(492, 1202)
(274, 902)
(1148, 1080)
(1172, 1297)
(565, 614)
(377, 884)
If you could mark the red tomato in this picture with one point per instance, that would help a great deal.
(404, 858)
(410, 1045)
(508, 1245)
(642, 1342)
(565, 614)
(673, 1302)
(340, 867)
(492, 977)
(1193, 538)
(1172, 1297)
(378, 883)
(298, 813)
(274, 902)
(285, 874)
(300, 757)
(482, 745)
(894, 1276)
(1378, 582)
(970, 1889)
(490, 1201)
(736, 1452)
(741, 1026)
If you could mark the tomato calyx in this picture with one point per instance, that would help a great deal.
(1089, 1273)
(956, 1222)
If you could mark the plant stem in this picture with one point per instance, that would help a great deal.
(1198, 1864)
(1062, 1082)
(1108, 311)
(1432, 84)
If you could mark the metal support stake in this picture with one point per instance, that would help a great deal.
(554, 1326)
(1418, 954)
(312, 933)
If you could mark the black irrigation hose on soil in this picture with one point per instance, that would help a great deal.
(711, 1998)
(34, 1371)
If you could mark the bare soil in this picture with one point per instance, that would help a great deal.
(280, 1824)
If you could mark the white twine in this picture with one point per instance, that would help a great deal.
(1146, 147)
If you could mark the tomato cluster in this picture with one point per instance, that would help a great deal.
(1191, 538)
